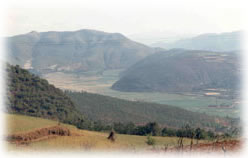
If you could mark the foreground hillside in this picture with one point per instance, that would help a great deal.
(80, 139)
(74, 51)
(83, 140)
(179, 70)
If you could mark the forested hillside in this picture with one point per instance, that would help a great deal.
(109, 110)
(30, 95)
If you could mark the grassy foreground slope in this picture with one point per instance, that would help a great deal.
(86, 140)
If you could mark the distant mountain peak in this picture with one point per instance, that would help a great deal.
(223, 42)
(33, 32)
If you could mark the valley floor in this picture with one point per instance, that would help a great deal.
(101, 84)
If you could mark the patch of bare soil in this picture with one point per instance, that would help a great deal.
(218, 146)
(40, 134)
(226, 146)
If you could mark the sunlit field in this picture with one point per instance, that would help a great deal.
(82, 139)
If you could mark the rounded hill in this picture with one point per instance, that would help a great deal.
(179, 70)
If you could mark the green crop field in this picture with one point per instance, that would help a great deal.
(101, 84)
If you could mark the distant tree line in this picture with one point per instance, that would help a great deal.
(153, 129)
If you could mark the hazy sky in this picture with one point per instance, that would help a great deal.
(126, 16)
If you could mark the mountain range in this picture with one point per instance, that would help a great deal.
(91, 50)
(229, 41)
(74, 51)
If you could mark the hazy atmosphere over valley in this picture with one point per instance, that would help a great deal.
(137, 77)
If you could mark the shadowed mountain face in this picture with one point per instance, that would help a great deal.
(180, 70)
(230, 41)
(83, 50)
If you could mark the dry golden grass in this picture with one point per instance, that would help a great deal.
(21, 123)
(84, 141)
